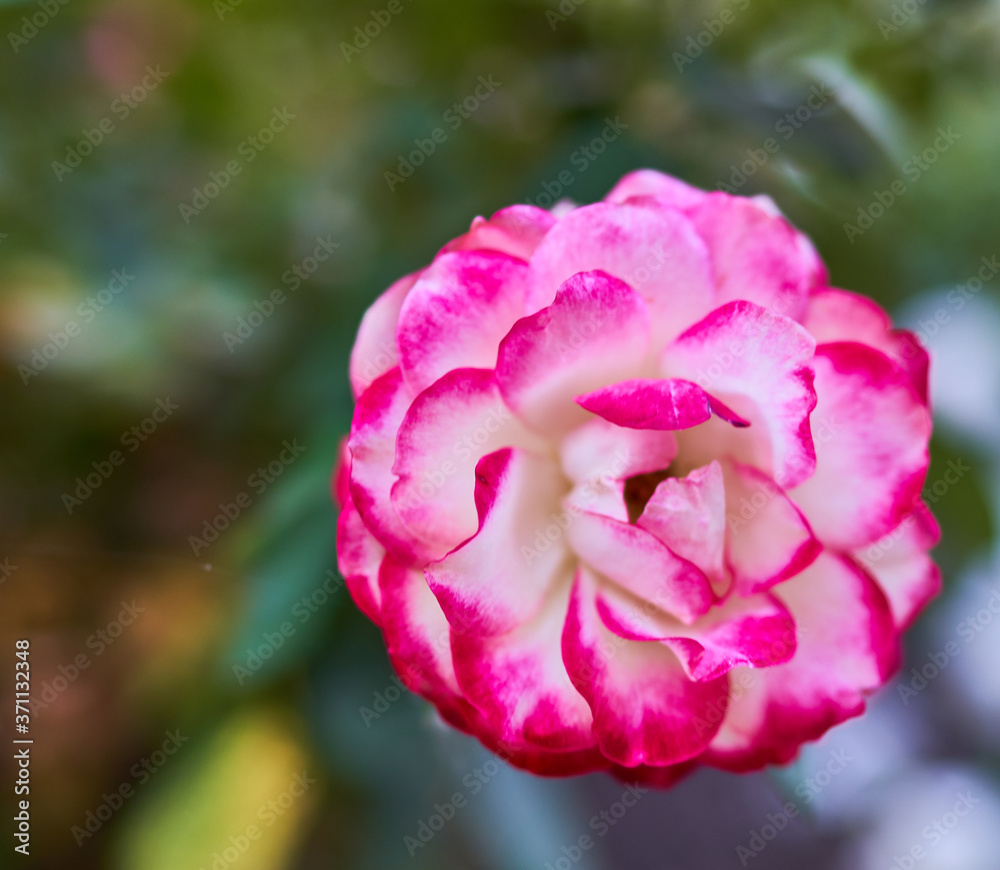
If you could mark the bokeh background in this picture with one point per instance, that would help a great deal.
(224, 683)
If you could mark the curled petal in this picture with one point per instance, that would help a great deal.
(374, 351)
(759, 363)
(653, 249)
(498, 579)
(515, 230)
(519, 683)
(456, 314)
(642, 564)
(847, 647)
(871, 446)
(900, 563)
(644, 403)
(594, 333)
(646, 709)
(768, 539)
(359, 557)
(756, 631)
(446, 431)
(689, 515)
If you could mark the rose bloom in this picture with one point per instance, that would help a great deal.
(630, 487)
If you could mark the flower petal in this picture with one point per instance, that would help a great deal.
(515, 230)
(599, 449)
(519, 683)
(639, 562)
(646, 710)
(872, 454)
(758, 363)
(755, 631)
(689, 515)
(498, 579)
(900, 563)
(650, 183)
(838, 315)
(374, 352)
(645, 403)
(377, 417)
(847, 648)
(768, 539)
(595, 333)
(417, 634)
(655, 250)
(758, 256)
(359, 557)
(446, 431)
(456, 314)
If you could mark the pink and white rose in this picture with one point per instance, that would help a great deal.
(630, 487)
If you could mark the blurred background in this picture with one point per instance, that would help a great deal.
(205, 694)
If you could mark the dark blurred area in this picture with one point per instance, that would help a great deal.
(197, 203)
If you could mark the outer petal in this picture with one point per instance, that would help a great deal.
(640, 563)
(520, 685)
(446, 431)
(847, 647)
(359, 556)
(872, 453)
(456, 314)
(650, 183)
(758, 256)
(758, 363)
(757, 631)
(498, 579)
(900, 564)
(838, 315)
(645, 707)
(374, 352)
(595, 333)
(377, 417)
(645, 403)
(515, 230)
(768, 539)
(417, 634)
(689, 515)
(599, 449)
(655, 250)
